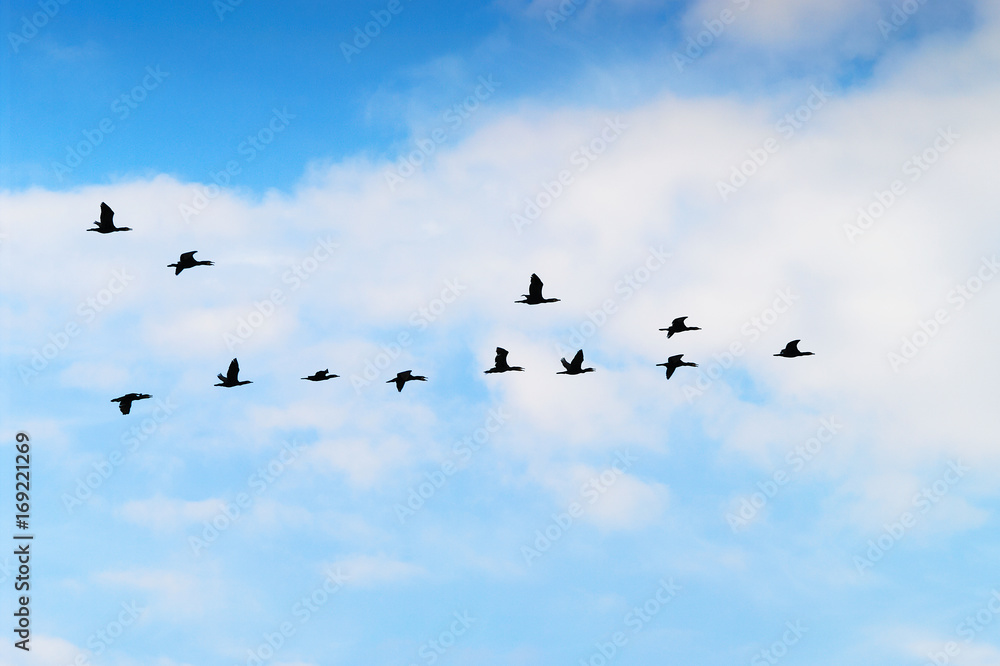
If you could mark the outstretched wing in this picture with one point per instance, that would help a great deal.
(670, 369)
(124, 403)
(565, 364)
(107, 215)
(233, 374)
(187, 257)
(535, 287)
(793, 347)
(675, 359)
(501, 359)
(578, 359)
(679, 322)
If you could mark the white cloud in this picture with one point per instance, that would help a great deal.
(783, 229)
(629, 504)
(656, 185)
(361, 461)
(105, 376)
(164, 514)
(369, 570)
(785, 23)
(44, 651)
(171, 595)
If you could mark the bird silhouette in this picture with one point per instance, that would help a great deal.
(320, 375)
(675, 362)
(232, 377)
(125, 402)
(187, 260)
(575, 367)
(534, 295)
(678, 326)
(107, 225)
(403, 377)
(791, 350)
(500, 364)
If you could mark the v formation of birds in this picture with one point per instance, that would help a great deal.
(534, 296)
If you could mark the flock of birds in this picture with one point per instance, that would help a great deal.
(533, 297)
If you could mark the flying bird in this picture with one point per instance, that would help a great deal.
(320, 375)
(791, 350)
(125, 402)
(107, 225)
(187, 260)
(576, 367)
(500, 364)
(403, 377)
(675, 362)
(534, 295)
(232, 377)
(678, 326)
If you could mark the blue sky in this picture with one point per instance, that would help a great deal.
(811, 170)
(221, 77)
